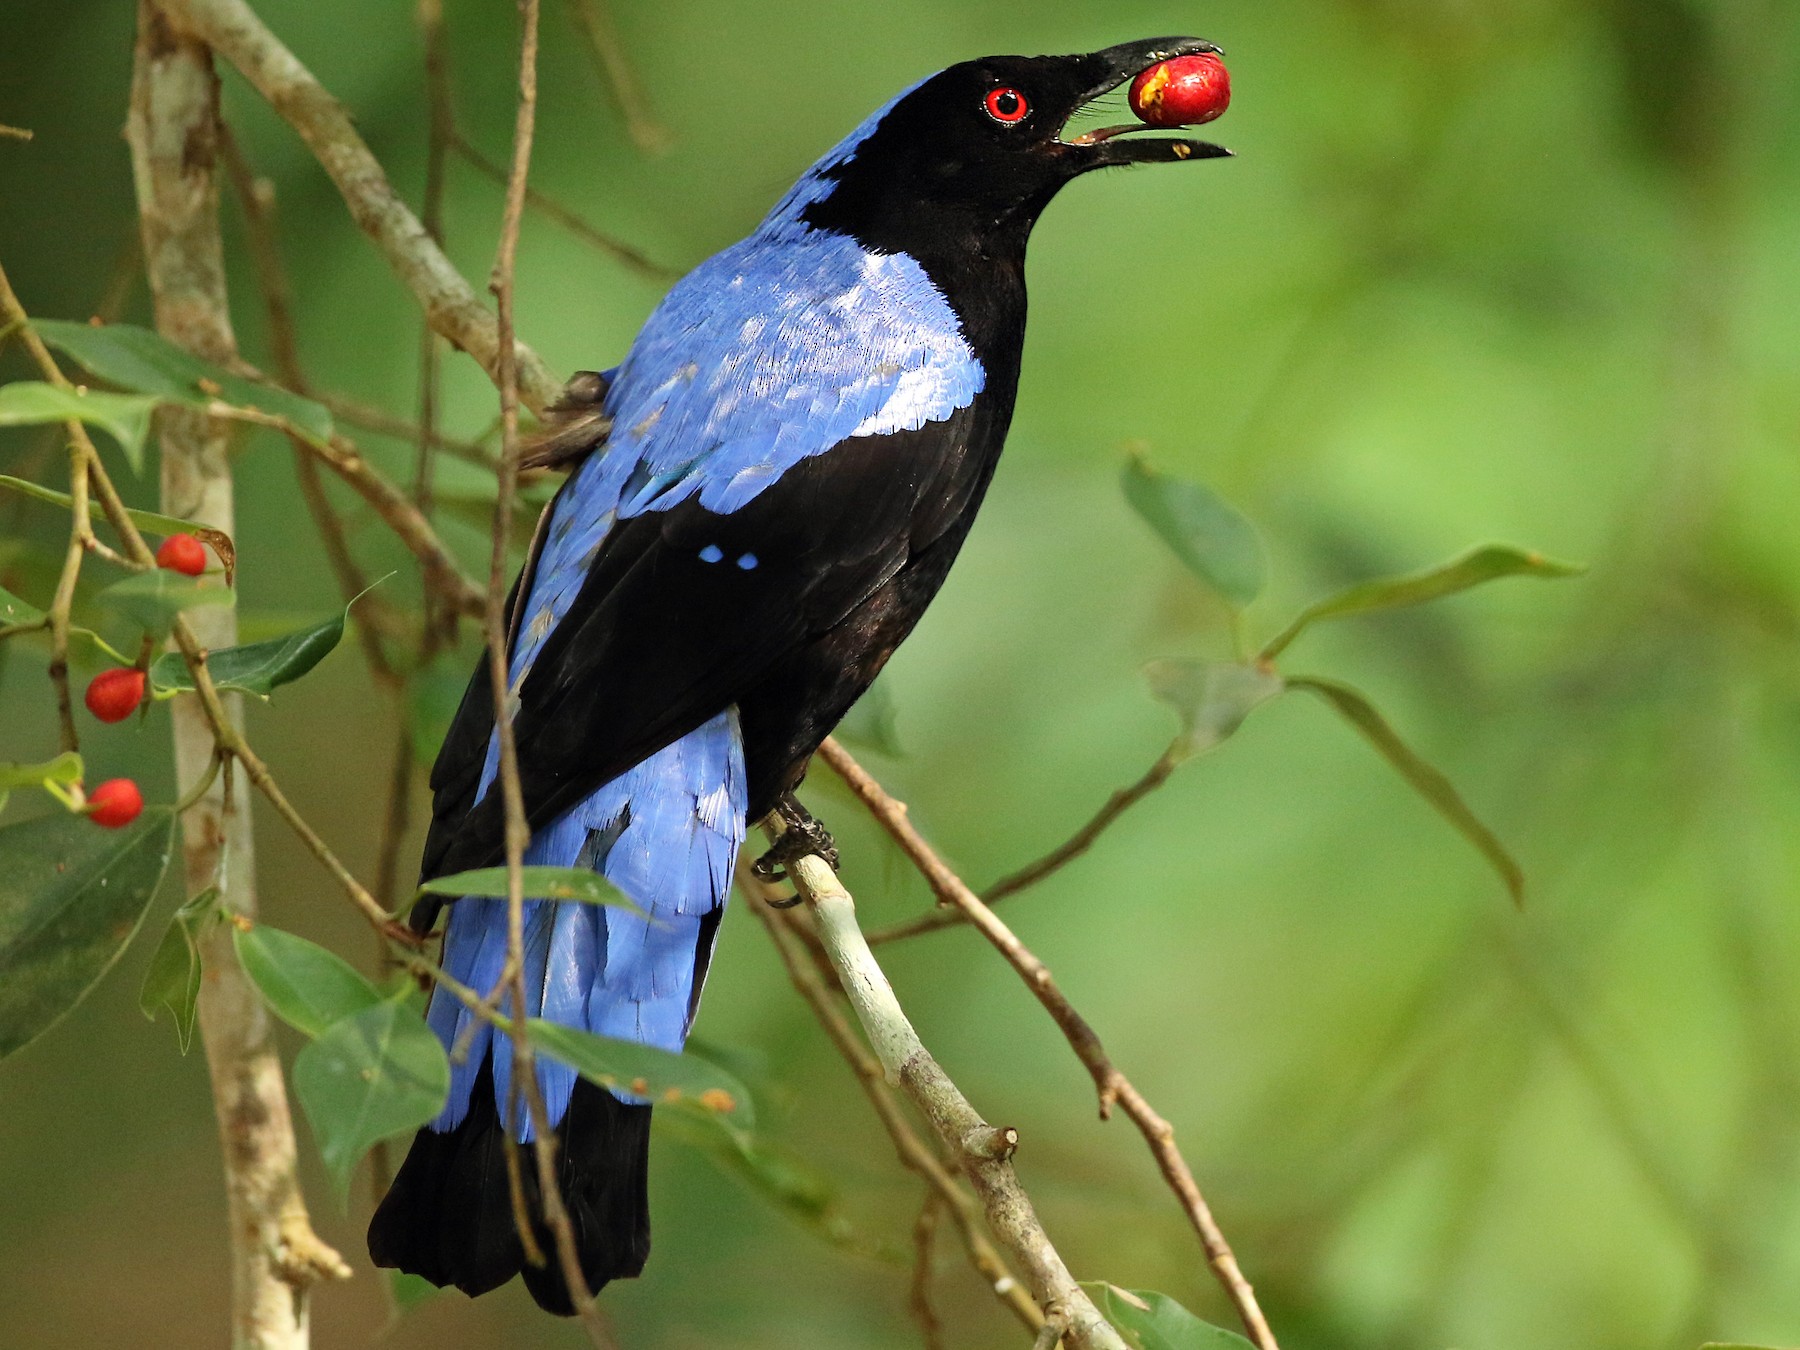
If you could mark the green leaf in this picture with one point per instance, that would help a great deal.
(1426, 781)
(1209, 536)
(62, 772)
(541, 883)
(71, 895)
(1152, 1321)
(1212, 698)
(14, 610)
(1735, 1345)
(304, 985)
(146, 362)
(173, 978)
(255, 667)
(1488, 563)
(154, 598)
(870, 723)
(366, 1078)
(148, 521)
(681, 1081)
(124, 417)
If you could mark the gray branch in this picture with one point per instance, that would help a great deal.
(451, 305)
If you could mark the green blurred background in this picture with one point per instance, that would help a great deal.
(1518, 270)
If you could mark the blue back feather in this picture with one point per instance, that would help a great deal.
(768, 353)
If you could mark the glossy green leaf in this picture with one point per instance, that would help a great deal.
(1152, 1321)
(541, 883)
(124, 417)
(366, 1078)
(255, 667)
(684, 1081)
(304, 985)
(148, 521)
(172, 980)
(146, 362)
(1212, 698)
(83, 642)
(72, 893)
(1425, 780)
(1217, 544)
(62, 772)
(1489, 563)
(154, 598)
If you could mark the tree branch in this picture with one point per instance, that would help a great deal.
(1112, 1085)
(915, 1156)
(173, 130)
(617, 249)
(451, 305)
(983, 1153)
(947, 916)
(518, 833)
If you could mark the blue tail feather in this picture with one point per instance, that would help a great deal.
(666, 833)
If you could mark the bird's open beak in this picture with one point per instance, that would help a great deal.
(1107, 146)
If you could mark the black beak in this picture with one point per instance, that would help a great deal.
(1107, 70)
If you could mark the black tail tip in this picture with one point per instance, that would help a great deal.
(448, 1217)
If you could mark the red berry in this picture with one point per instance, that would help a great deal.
(182, 553)
(1183, 92)
(115, 802)
(113, 695)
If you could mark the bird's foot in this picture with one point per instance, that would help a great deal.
(804, 837)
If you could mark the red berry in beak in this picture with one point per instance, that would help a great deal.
(1182, 92)
(182, 553)
(114, 803)
(113, 695)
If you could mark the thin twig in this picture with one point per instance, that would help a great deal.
(1112, 1085)
(948, 916)
(233, 30)
(16, 133)
(983, 1153)
(80, 530)
(256, 201)
(788, 934)
(931, 1327)
(173, 130)
(384, 423)
(439, 131)
(619, 78)
(518, 832)
(633, 258)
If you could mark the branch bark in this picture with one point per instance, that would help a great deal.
(451, 305)
(173, 130)
(1112, 1085)
(913, 1152)
(973, 1142)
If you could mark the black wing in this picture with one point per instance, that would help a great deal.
(660, 640)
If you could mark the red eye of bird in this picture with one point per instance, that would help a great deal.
(1007, 105)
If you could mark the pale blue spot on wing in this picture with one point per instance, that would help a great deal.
(711, 553)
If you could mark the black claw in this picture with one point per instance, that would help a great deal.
(804, 837)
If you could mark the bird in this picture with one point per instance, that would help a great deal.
(763, 497)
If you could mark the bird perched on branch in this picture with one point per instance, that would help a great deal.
(799, 440)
